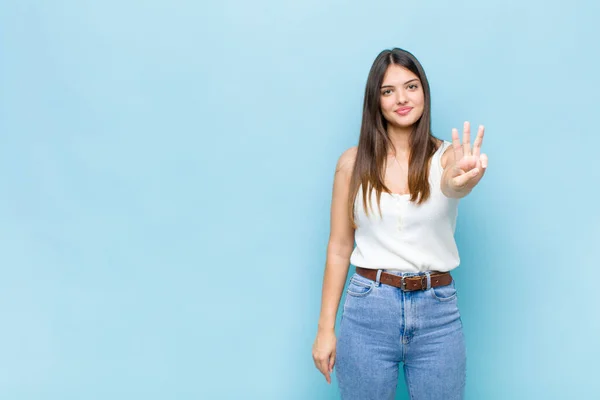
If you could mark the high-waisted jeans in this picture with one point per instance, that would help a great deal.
(382, 326)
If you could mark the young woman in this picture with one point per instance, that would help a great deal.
(396, 195)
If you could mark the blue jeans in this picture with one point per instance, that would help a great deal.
(382, 326)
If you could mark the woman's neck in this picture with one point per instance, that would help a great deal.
(400, 139)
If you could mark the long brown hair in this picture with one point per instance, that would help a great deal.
(373, 143)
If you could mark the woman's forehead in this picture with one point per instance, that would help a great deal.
(397, 75)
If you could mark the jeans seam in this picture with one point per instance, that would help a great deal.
(369, 286)
(443, 299)
(410, 389)
(360, 283)
(355, 294)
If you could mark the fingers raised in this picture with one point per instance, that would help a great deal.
(484, 161)
(467, 138)
(458, 150)
(478, 142)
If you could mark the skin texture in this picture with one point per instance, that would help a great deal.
(400, 88)
(464, 168)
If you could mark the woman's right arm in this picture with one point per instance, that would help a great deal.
(339, 249)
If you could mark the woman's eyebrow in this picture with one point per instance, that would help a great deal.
(385, 86)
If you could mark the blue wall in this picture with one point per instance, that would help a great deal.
(166, 172)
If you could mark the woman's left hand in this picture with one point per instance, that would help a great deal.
(469, 165)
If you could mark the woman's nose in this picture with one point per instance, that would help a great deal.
(401, 97)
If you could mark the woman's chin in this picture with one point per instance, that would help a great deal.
(401, 124)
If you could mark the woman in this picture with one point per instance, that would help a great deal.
(396, 195)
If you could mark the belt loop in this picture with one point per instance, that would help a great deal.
(377, 279)
(428, 280)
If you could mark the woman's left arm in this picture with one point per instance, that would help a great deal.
(464, 167)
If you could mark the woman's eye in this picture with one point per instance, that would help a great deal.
(387, 91)
(412, 87)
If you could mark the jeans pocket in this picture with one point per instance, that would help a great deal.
(444, 293)
(360, 286)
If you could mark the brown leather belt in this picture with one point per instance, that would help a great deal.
(407, 283)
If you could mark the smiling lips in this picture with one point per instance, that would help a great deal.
(403, 110)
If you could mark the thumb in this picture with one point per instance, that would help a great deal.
(332, 361)
(462, 180)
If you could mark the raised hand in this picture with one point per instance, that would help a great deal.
(469, 165)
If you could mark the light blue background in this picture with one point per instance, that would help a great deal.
(166, 172)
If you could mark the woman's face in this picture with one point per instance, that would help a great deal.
(402, 98)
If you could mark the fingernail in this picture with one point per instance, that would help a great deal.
(475, 171)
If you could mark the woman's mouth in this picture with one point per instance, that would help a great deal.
(403, 110)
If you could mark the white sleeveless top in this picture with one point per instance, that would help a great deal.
(408, 237)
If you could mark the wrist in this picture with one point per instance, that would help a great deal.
(325, 327)
(456, 193)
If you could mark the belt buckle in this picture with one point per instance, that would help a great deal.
(423, 283)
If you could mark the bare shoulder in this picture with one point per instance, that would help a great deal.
(346, 161)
